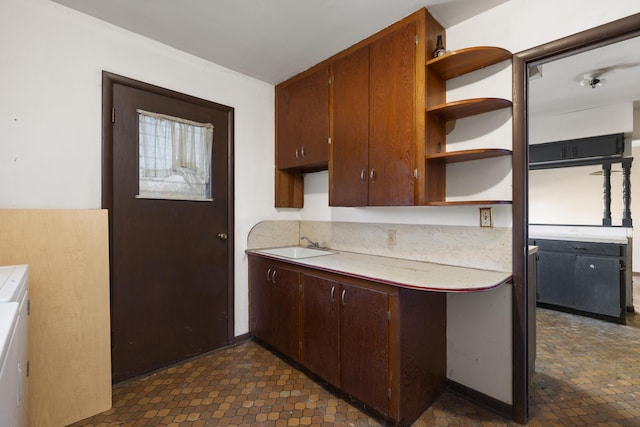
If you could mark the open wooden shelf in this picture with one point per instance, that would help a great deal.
(467, 107)
(459, 62)
(467, 155)
(469, 202)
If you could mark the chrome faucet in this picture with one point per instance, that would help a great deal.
(311, 244)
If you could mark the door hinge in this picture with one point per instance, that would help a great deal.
(329, 140)
(416, 40)
(623, 266)
(300, 345)
(330, 80)
(113, 115)
(389, 393)
(28, 366)
(415, 173)
(389, 315)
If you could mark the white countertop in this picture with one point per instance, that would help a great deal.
(578, 238)
(401, 272)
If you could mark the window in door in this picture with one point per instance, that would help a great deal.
(174, 157)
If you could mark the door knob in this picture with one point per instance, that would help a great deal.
(222, 236)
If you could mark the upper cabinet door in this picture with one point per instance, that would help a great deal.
(349, 166)
(392, 127)
(302, 122)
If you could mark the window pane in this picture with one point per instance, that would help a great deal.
(174, 157)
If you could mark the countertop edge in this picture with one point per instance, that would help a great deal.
(506, 277)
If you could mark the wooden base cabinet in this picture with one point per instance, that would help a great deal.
(384, 346)
(274, 306)
(321, 327)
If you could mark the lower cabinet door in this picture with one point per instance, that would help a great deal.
(285, 312)
(364, 342)
(260, 300)
(274, 306)
(321, 327)
(598, 285)
(556, 278)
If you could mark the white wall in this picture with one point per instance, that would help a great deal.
(51, 60)
(549, 188)
(516, 25)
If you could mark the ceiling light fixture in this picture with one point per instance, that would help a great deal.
(594, 82)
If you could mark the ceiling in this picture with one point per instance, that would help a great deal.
(555, 86)
(270, 40)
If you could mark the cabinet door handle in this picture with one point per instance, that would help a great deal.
(372, 175)
(344, 293)
(269, 275)
(362, 176)
(273, 277)
(333, 291)
(302, 151)
(297, 154)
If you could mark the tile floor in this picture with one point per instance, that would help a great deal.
(587, 373)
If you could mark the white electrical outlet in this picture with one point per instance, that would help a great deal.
(391, 238)
(486, 217)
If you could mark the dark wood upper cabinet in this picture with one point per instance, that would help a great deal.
(376, 119)
(387, 119)
(373, 139)
(392, 127)
(349, 165)
(302, 122)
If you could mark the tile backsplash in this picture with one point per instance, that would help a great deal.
(485, 248)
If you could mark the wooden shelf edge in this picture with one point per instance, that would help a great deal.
(468, 202)
(468, 107)
(468, 155)
(463, 61)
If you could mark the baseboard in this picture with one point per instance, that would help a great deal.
(481, 399)
(240, 339)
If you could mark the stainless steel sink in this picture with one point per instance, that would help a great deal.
(296, 252)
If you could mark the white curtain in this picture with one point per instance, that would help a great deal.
(174, 156)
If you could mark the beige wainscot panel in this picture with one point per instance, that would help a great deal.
(69, 347)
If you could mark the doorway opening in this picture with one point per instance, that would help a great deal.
(623, 29)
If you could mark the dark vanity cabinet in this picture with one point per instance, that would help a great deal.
(379, 345)
(588, 277)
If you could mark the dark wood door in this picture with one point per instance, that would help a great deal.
(321, 327)
(349, 166)
(170, 295)
(392, 118)
(364, 342)
(302, 121)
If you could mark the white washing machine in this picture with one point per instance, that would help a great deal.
(14, 312)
